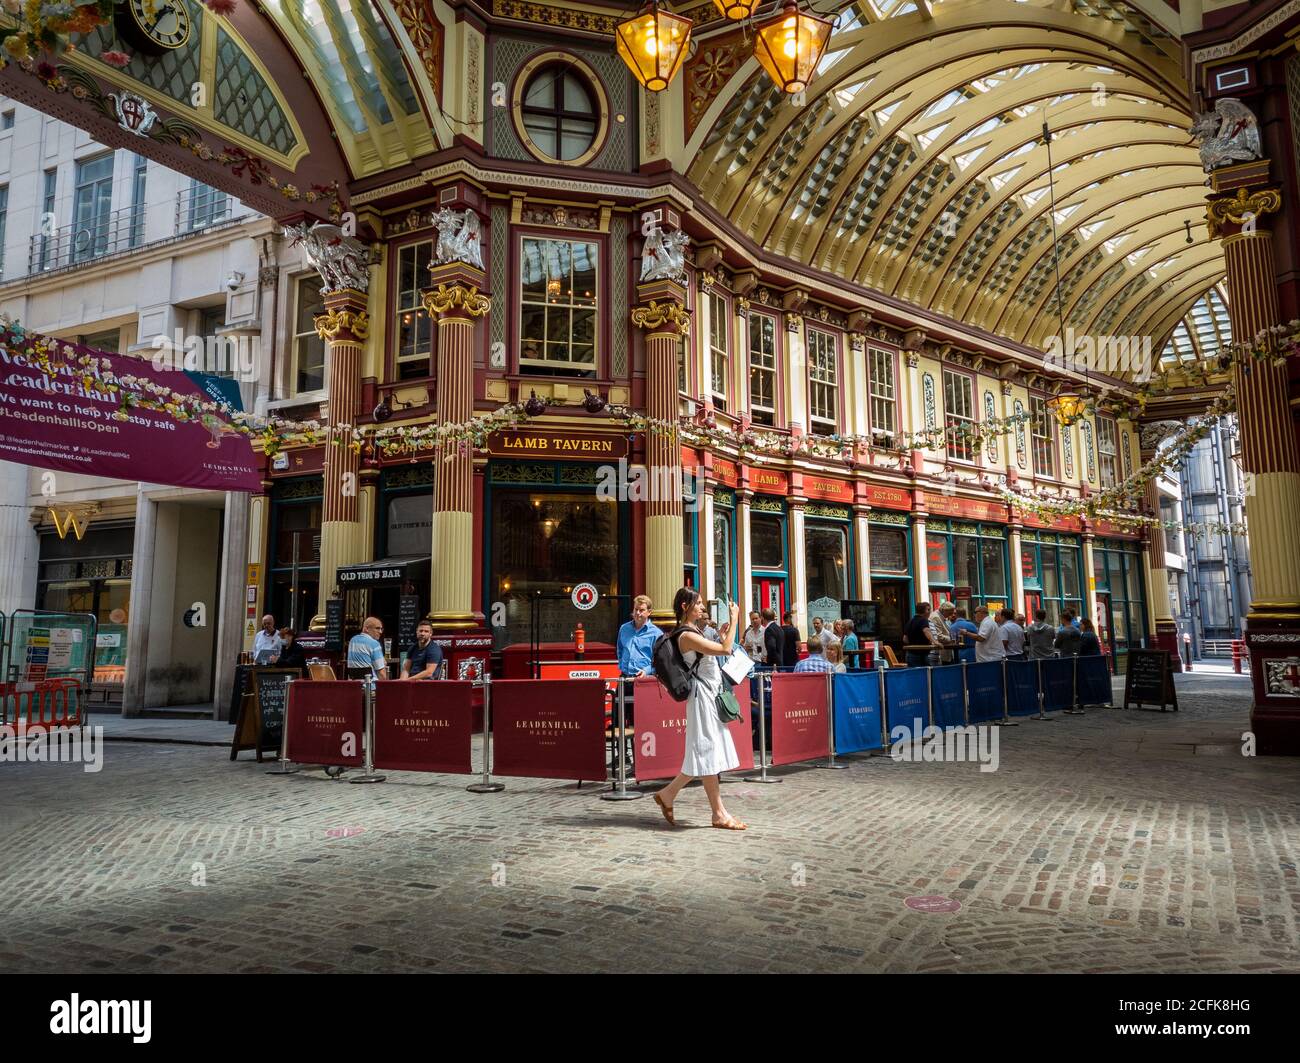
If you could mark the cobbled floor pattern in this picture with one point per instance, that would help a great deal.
(1120, 841)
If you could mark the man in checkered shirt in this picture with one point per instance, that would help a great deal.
(816, 660)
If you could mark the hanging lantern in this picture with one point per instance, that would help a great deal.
(790, 45)
(653, 45)
(736, 10)
(1067, 408)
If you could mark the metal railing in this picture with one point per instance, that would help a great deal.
(200, 207)
(105, 234)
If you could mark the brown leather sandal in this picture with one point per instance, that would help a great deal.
(668, 812)
(732, 824)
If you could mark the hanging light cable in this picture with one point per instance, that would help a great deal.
(1068, 406)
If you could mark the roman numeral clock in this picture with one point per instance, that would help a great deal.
(154, 26)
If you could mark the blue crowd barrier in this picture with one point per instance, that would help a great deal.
(907, 698)
(1094, 681)
(948, 693)
(1022, 688)
(1058, 683)
(966, 656)
(857, 711)
(988, 696)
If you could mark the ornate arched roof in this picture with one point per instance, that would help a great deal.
(916, 165)
(1205, 333)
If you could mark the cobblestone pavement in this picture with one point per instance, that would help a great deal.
(1118, 841)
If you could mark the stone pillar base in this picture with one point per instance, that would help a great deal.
(1274, 646)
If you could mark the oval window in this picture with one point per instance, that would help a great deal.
(560, 116)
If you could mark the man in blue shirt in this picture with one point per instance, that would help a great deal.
(816, 660)
(961, 628)
(366, 652)
(424, 659)
(636, 640)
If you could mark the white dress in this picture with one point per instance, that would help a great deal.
(709, 748)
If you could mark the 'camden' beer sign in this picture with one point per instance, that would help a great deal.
(557, 444)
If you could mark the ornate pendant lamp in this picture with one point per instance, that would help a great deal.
(736, 10)
(790, 45)
(1069, 406)
(653, 44)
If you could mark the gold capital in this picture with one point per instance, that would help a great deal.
(656, 316)
(1244, 207)
(333, 323)
(464, 297)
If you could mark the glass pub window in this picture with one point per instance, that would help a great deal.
(308, 347)
(881, 369)
(1044, 450)
(413, 327)
(823, 382)
(719, 349)
(959, 408)
(558, 307)
(559, 113)
(762, 368)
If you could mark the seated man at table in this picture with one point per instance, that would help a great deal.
(424, 659)
(366, 652)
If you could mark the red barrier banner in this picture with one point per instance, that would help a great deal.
(324, 722)
(799, 717)
(424, 725)
(549, 728)
(661, 730)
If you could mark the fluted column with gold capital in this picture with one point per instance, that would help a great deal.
(1240, 215)
(664, 319)
(454, 301)
(1160, 617)
(345, 327)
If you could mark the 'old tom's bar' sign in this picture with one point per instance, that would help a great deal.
(557, 444)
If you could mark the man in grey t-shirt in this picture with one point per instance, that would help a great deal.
(1041, 637)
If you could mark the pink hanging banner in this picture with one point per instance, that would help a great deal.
(58, 413)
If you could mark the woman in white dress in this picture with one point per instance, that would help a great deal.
(709, 748)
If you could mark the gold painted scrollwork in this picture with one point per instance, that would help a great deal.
(334, 323)
(656, 316)
(1241, 208)
(466, 298)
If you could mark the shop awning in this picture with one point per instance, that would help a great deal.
(390, 572)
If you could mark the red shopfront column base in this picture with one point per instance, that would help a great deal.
(1274, 648)
(1167, 639)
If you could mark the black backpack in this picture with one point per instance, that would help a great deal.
(670, 666)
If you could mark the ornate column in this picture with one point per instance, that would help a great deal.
(1269, 452)
(744, 556)
(454, 301)
(862, 528)
(1164, 629)
(920, 569)
(798, 566)
(704, 538)
(666, 323)
(1089, 577)
(345, 327)
(1017, 570)
(259, 525)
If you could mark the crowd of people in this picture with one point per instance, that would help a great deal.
(937, 636)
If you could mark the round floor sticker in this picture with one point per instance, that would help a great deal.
(932, 905)
(585, 596)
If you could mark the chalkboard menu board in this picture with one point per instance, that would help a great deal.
(408, 616)
(238, 690)
(1149, 679)
(260, 725)
(334, 624)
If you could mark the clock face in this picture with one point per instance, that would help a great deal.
(162, 23)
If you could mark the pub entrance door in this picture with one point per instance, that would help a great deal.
(769, 593)
(892, 597)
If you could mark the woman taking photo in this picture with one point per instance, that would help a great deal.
(709, 748)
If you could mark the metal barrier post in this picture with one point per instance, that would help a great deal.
(883, 751)
(965, 695)
(282, 768)
(1076, 708)
(487, 786)
(830, 726)
(619, 791)
(368, 771)
(762, 736)
(1042, 696)
(1006, 720)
